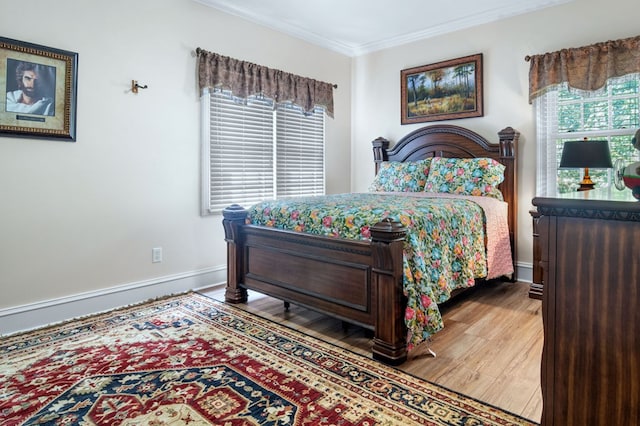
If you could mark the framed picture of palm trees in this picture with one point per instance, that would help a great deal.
(445, 90)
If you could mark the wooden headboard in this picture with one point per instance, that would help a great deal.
(444, 140)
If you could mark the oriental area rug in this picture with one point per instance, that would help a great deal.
(190, 360)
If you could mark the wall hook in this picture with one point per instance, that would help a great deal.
(135, 86)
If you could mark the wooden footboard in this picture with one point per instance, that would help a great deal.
(357, 281)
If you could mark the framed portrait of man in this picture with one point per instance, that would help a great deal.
(38, 91)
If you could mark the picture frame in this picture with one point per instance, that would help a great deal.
(38, 91)
(444, 90)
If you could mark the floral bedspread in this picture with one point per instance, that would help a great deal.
(444, 248)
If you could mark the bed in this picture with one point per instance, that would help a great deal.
(360, 281)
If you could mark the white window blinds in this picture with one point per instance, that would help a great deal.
(300, 152)
(253, 153)
(241, 151)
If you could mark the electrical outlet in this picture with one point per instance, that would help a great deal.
(156, 255)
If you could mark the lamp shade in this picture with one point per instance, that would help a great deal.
(592, 154)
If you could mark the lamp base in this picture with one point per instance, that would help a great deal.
(586, 187)
(586, 184)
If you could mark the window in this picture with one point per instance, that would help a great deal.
(299, 152)
(253, 152)
(612, 114)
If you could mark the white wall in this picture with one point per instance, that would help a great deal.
(80, 219)
(504, 45)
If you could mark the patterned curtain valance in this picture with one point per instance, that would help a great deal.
(245, 79)
(584, 68)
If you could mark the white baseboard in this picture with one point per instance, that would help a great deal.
(38, 314)
(524, 272)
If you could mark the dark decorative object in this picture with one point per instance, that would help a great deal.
(135, 86)
(442, 91)
(39, 86)
(586, 154)
(629, 176)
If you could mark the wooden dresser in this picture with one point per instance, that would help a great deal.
(590, 258)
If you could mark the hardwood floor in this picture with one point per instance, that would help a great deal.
(490, 347)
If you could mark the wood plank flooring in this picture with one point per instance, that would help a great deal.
(490, 348)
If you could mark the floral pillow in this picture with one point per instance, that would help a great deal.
(409, 176)
(465, 176)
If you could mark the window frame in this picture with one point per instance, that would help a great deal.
(550, 137)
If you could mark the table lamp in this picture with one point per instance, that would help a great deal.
(586, 154)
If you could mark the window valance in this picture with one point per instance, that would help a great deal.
(245, 79)
(584, 68)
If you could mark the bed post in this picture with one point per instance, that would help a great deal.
(390, 339)
(234, 217)
(380, 147)
(508, 145)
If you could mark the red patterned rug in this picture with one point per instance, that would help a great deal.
(189, 360)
